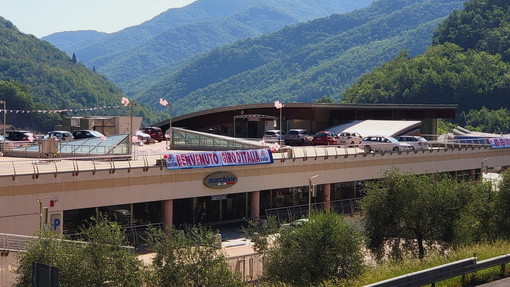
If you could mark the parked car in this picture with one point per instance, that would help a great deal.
(298, 136)
(23, 136)
(325, 138)
(143, 137)
(155, 133)
(383, 143)
(350, 138)
(416, 142)
(61, 135)
(295, 223)
(272, 136)
(83, 134)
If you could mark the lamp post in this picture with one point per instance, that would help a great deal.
(310, 193)
(4, 123)
(279, 106)
(125, 102)
(168, 133)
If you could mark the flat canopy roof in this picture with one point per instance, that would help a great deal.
(378, 127)
(307, 111)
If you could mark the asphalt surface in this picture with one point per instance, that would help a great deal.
(499, 283)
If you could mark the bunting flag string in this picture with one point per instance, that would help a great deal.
(59, 111)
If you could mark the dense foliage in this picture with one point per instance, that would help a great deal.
(304, 62)
(325, 248)
(100, 257)
(483, 25)
(34, 75)
(444, 74)
(483, 120)
(416, 212)
(503, 206)
(468, 65)
(190, 258)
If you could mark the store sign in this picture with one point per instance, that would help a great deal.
(500, 142)
(219, 197)
(218, 158)
(221, 179)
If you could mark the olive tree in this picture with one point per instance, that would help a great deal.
(324, 248)
(437, 209)
(192, 257)
(503, 205)
(100, 256)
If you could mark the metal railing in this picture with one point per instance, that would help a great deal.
(13, 242)
(444, 272)
(250, 267)
(348, 207)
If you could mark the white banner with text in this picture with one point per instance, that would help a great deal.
(218, 158)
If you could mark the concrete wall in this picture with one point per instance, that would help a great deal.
(83, 184)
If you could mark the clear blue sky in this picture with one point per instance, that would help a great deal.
(43, 17)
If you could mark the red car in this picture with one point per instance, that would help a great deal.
(155, 133)
(325, 138)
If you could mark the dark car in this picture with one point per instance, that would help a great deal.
(298, 136)
(155, 133)
(83, 134)
(325, 138)
(61, 135)
(25, 136)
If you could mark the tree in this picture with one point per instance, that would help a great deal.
(325, 248)
(189, 258)
(100, 256)
(261, 233)
(74, 59)
(421, 209)
(503, 206)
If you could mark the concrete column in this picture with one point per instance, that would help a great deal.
(168, 213)
(255, 204)
(326, 188)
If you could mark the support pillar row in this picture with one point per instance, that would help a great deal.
(255, 204)
(168, 213)
(327, 196)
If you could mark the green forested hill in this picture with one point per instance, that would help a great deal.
(304, 62)
(34, 75)
(127, 57)
(468, 65)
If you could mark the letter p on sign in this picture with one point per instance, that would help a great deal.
(56, 222)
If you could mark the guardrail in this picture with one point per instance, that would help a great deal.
(349, 207)
(444, 272)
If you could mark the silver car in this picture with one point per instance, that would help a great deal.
(298, 137)
(350, 138)
(383, 144)
(272, 136)
(416, 142)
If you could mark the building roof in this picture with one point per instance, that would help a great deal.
(378, 127)
(308, 111)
